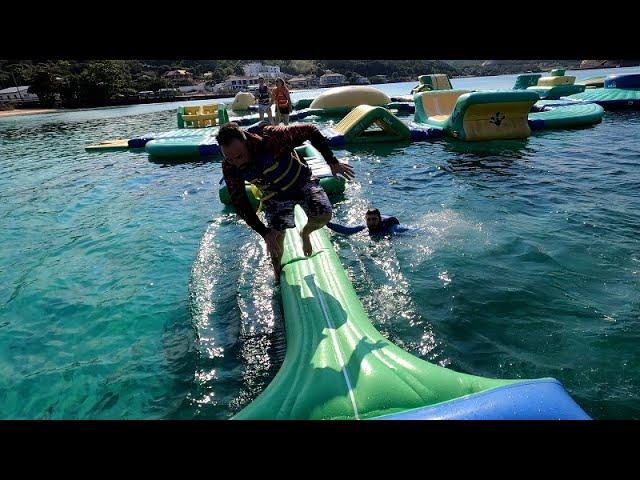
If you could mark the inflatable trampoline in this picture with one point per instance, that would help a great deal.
(620, 92)
(339, 367)
(564, 114)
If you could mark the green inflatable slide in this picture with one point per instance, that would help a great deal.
(338, 366)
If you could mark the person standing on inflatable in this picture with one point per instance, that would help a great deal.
(263, 96)
(266, 158)
(283, 102)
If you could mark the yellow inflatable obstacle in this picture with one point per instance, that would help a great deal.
(438, 81)
(556, 85)
(556, 80)
(201, 116)
(477, 115)
(372, 124)
(342, 99)
(242, 101)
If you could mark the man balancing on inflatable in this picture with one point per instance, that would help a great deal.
(376, 223)
(265, 158)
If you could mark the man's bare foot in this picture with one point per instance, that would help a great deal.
(307, 249)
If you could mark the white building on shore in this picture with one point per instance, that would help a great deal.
(256, 69)
(17, 95)
(197, 88)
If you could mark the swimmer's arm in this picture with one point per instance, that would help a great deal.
(344, 229)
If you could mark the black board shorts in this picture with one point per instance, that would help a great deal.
(314, 201)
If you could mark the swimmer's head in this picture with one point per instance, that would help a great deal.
(373, 218)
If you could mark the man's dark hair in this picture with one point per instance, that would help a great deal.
(374, 211)
(228, 132)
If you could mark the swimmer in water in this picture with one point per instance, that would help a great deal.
(376, 223)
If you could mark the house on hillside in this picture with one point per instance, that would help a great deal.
(379, 79)
(17, 95)
(302, 81)
(256, 69)
(178, 77)
(237, 83)
(198, 88)
(330, 79)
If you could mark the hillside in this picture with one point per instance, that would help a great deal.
(85, 83)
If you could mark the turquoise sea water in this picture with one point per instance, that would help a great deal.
(128, 291)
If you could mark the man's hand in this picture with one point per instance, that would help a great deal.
(274, 244)
(343, 169)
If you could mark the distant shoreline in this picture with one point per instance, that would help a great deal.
(27, 111)
(210, 96)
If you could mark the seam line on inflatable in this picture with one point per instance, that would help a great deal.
(338, 352)
(339, 355)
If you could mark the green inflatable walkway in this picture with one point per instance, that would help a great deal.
(338, 366)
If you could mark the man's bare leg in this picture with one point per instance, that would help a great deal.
(312, 225)
(276, 260)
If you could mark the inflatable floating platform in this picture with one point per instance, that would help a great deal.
(553, 87)
(494, 115)
(339, 367)
(620, 92)
(365, 124)
(558, 114)
(319, 166)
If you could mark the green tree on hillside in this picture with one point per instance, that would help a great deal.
(45, 86)
(102, 80)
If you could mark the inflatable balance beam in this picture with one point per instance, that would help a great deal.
(339, 367)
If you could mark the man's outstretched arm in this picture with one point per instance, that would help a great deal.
(343, 229)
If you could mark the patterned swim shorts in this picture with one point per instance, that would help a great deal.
(279, 213)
